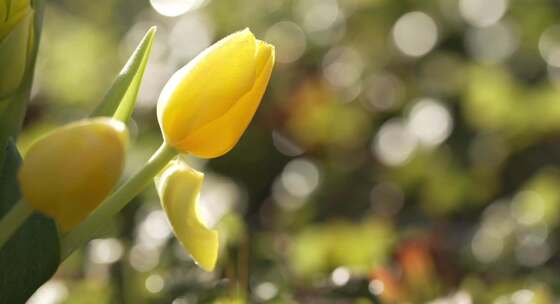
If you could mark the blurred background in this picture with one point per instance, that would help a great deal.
(405, 152)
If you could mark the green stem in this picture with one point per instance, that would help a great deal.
(10, 223)
(116, 201)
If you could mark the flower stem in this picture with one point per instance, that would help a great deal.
(116, 201)
(10, 223)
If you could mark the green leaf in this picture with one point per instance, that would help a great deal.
(120, 99)
(32, 255)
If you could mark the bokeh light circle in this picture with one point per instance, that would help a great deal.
(172, 8)
(289, 40)
(415, 34)
(482, 13)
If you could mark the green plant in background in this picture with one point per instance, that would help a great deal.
(69, 173)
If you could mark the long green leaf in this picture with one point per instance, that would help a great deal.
(120, 99)
(32, 255)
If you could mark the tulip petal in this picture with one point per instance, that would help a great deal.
(229, 127)
(4, 9)
(13, 15)
(179, 189)
(207, 86)
(13, 55)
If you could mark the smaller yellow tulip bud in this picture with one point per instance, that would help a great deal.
(206, 106)
(179, 188)
(67, 173)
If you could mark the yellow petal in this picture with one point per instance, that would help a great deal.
(219, 136)
(18, 10)
(68, 172)
(207, 86)
(3, 12)
(179, 189)
(13, 55)
(19, 5)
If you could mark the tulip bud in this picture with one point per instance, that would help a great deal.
(16, 18)
(11, 13)
(67, 173)
(179, 188)
(206, 106)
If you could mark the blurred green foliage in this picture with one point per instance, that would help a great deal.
(406, 152)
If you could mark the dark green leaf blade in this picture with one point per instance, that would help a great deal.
(32, 255)
(119, 101)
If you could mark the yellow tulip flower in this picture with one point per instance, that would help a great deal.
(67, 173)
(206, 106)
(179, 188)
